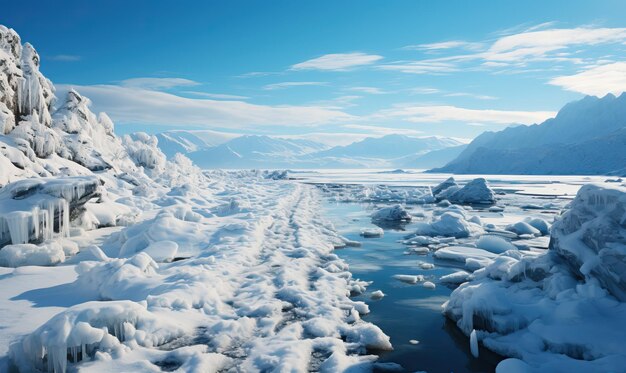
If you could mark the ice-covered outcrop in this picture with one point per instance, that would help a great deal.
(33, 210)
(395, 213)
(79, 332)
(591, 236)
(560, 310)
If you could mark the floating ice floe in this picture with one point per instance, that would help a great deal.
(372, 232)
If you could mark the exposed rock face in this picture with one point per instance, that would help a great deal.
(591, 236)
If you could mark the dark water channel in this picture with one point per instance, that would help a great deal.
(408, 311)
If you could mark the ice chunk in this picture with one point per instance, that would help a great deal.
(393, 213)
(523, 227)
(409, 279)
(494, 244)
(372, 232)
(429, 285)
(449, 224)
(378, 294)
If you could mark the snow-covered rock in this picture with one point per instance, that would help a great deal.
(448, 183)
(476, 191)
(395, 213)
(449, 224)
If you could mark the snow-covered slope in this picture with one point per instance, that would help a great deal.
(252, 151)
(270, 152)
(389, 147)
(434, 158)
(187, 141)
(586, 137)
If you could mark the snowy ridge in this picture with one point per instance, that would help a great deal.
(587, 137)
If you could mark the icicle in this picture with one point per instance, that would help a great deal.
(19, 223)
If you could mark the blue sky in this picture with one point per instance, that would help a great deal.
(334, 71)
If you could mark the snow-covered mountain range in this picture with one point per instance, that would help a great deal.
(586, 137)
(253, 151)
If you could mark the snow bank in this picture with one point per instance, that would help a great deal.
(557, 311)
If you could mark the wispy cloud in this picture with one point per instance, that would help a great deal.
(216, 96)
(596, 80)
(338, 61)
(158, 83)
(140, 105)
(453, 44)
(369, 90)
(442, 113)
(65, 57)
(423, 91)
(539, 44)
(432, 66)
(283, 85)
(534, 44)
(471, 95)
(382, 131)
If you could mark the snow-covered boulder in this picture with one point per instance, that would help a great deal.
(476, 191)
(448, 183)
(591, 236)
(395, 213)
(449, 224)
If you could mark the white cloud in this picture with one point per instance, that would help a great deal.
(433, 66)
(217, 96)
(370, 90)
(158, 83)
(382, 131)
(283, 85)
(597, 80)
(471, 95)
(453, 44)
(538, 44)
(423, 91)
(138, 105)
(535, 44)
(337, 61)
(441, 113)
(65, 58)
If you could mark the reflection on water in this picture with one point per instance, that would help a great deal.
(407, 312)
